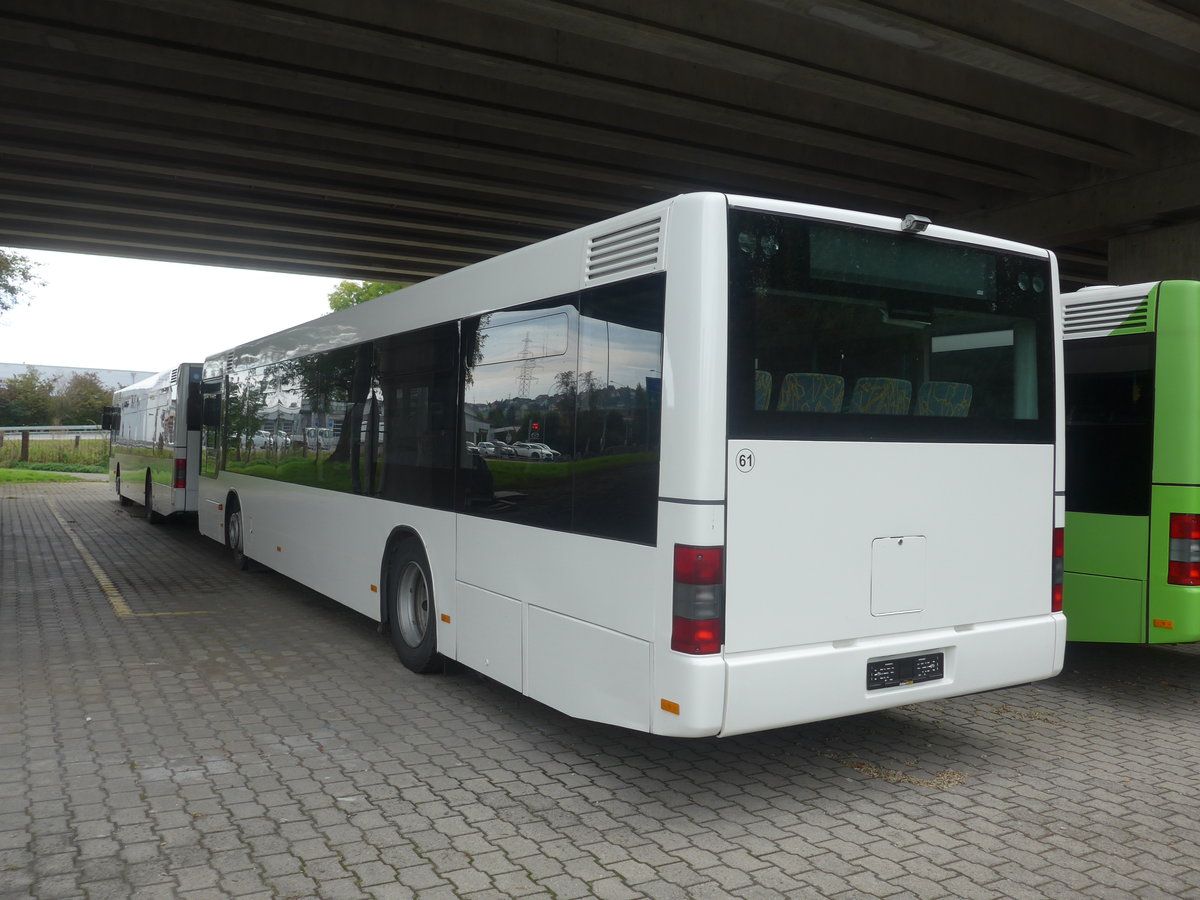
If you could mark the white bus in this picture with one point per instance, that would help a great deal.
(155, 427)
(807, 465)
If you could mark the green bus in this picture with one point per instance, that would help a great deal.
(1132, 557)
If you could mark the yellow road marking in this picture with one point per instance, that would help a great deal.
(115, 600)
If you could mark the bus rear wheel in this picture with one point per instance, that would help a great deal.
(151, 515)
(235, 535)
(411, 611)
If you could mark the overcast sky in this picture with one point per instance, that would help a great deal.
(96, 312)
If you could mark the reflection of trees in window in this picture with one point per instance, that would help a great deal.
(243, 414)
(326, 437)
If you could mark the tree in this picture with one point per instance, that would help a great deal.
(83, 400)
(17, 275)
(27, 399)
(352, 293)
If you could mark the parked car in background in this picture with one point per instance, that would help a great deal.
(526, 450)
(549, 452)
(318, 438)
(486, 448)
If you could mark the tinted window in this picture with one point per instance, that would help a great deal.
(416, 403)
(210, 436)
(848, 333)
(620, 403)
(521, 385)
(194, 412)
(1110, 424)
(562, 411)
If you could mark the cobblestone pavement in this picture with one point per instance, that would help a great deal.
(182, 729)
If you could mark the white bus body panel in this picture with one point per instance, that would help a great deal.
(582, 624)
(908, 551)
(317, 536)
(775, 688)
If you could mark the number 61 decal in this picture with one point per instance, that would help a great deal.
(745, 460)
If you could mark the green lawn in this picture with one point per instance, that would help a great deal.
(90, 455)
(26, 476)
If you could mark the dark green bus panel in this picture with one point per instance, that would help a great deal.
(1132, 558)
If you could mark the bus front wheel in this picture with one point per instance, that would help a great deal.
(411, 617)
(235, 537)
(121, 498)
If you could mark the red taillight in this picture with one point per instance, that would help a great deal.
(698, 601)
(1056, 590)
(699, 565)
(1183, 563)
(181, 473)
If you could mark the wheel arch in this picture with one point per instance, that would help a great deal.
(232, 502)
(398, 535)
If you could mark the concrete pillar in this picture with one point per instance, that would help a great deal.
(1158, 255)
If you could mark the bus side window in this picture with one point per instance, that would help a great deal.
(210, 427)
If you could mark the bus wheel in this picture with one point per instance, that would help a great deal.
(235, 538)
(410, 608)
(151, 515)
(121, 498)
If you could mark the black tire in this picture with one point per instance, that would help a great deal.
(121, 498)
(235, 534)
(412, 617)
(151, 516)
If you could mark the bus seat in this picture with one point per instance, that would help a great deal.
(881, 396)
(762, 389)
(811, 392)
(944, 398)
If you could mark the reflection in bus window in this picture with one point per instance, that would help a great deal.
(561, 413)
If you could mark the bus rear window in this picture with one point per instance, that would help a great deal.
(846, 333)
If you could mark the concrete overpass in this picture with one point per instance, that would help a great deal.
(394, 140)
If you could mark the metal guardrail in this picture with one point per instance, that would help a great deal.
(51, 429)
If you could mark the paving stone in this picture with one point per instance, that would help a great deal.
(271, 748)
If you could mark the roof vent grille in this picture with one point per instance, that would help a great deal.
(629, 251)
(1098, 317)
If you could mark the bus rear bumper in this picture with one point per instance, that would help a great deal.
(777, 688)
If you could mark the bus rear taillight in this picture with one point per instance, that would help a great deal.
(1056, 580)
(181, 473)
(1183, 564)
(698, 601)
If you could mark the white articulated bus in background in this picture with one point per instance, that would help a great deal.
(155, 426)
(795, 463)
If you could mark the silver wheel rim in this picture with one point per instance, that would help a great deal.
(412, 604)
(235, 531)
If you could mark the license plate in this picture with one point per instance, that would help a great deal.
(886, 673)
